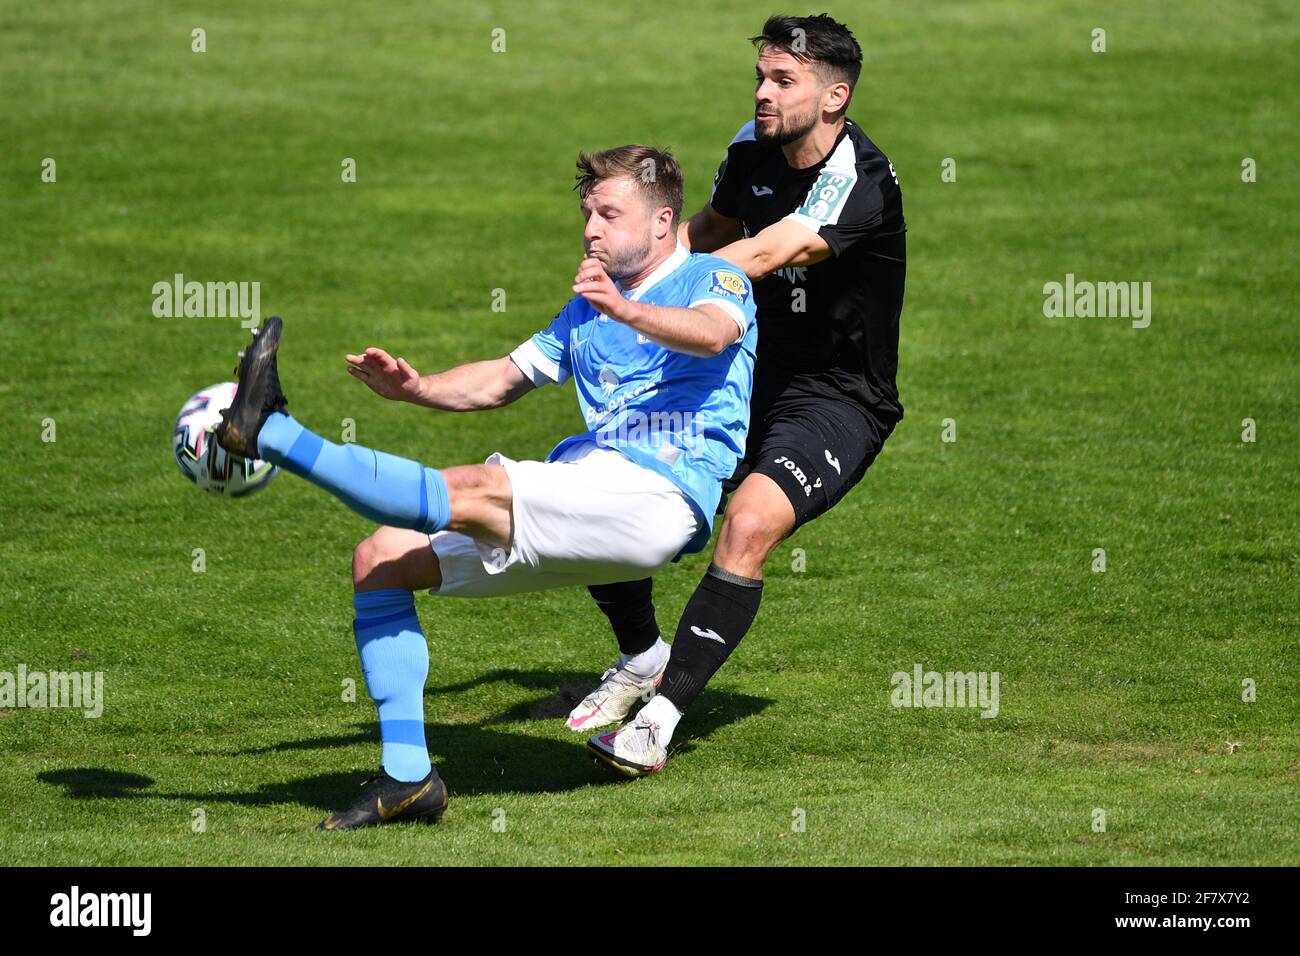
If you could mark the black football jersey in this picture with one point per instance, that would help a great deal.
(829, 329)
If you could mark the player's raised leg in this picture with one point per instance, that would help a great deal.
(386, 568)
(390, 490)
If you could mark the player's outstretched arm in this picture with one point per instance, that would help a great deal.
(465, 388)
(784, 243)
(708, 230)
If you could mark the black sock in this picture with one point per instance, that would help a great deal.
(717, 616)
(631, 613)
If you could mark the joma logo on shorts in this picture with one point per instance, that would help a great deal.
(800, 477)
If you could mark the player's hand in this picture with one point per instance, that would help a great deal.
(388, 377)
(594, 284)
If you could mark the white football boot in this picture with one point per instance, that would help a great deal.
(614, 697)
(634, 750)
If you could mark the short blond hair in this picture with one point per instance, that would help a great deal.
(655, 172)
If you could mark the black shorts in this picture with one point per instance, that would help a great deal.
(815, 449)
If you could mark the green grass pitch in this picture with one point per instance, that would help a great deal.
(1120, 691)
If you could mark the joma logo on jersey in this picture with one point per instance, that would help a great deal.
(728, 283)
(825, 196)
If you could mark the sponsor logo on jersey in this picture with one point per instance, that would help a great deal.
(826, 196)
(765, 191)
(730, 284)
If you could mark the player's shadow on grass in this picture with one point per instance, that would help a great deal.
(474, 757)
(495, 762)
(327, 791)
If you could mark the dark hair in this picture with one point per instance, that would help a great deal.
(655, 171)
(825, 43)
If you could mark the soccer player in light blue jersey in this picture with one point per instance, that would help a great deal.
(660, 344)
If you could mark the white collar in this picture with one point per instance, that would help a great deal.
(665, 268)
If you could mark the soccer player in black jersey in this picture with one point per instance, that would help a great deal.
(810, 208)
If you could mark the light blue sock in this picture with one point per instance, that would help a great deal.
(382, 487)
(395, 662)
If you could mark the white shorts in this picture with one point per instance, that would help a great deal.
(593, 517)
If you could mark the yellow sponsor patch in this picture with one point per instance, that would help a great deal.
(727, 283)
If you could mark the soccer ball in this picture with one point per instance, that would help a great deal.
(206, 463)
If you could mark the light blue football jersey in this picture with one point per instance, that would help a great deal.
(682, 416)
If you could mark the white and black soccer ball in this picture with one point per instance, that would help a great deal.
(206, 463)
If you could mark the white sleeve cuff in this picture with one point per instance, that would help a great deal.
(808, 222)
(539, 369)
(731, 309)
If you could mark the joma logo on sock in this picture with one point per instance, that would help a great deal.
(1128, 300)
(950, 689)
(208, 300)
(103, 909)
(38, 689)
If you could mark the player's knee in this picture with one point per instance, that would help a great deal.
(365, 560)
(749, 533)
(375, 560)
(468, 479)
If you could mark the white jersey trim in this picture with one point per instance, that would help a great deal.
(842, 165)
(731, 309)
(539, 369)
(666, 268)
